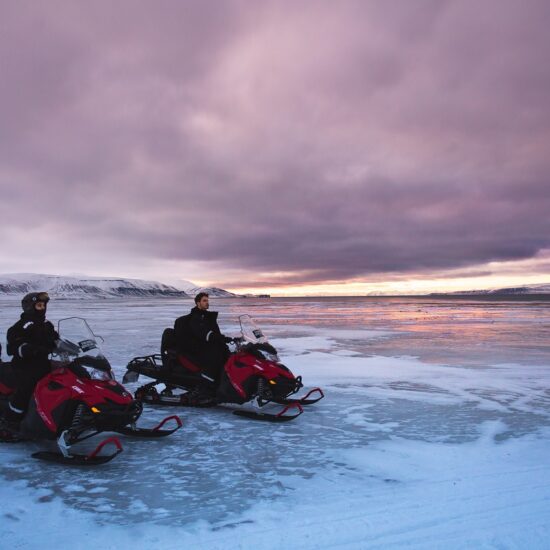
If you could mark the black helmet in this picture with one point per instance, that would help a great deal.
(28, 301)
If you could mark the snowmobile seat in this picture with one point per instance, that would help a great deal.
(170, 356)
(168, 348)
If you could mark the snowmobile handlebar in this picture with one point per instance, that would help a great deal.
(237, 341)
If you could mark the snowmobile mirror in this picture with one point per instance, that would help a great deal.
(130, 376)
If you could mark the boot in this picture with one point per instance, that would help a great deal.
(13, 415)
(10, 422)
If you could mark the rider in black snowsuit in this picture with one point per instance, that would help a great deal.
(198, 336)
(30, 341)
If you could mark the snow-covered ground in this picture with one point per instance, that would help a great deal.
(434, 433)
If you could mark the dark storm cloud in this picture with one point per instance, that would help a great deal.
(318, 140)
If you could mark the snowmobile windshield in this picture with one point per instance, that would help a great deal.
(79, 345)
(251, 331)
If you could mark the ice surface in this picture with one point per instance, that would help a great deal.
(435, 432)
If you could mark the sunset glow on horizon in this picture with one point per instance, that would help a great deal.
(498, 275)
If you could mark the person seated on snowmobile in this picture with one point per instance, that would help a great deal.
(198, 337)
(30, 341)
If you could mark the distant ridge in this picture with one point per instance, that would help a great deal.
(192, 289)
(84, 287)
(511, 291)
(211, 291)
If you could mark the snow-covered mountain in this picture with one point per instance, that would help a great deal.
(212, 291)
(84, 287)
(520, 290)
(192, 289)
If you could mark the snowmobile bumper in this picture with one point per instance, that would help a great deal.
(305, 400)
(111, 416)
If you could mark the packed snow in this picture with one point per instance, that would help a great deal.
(434, 433)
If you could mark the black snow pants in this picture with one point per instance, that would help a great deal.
(27, 377)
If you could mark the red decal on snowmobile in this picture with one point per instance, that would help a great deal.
(188, 364)
(47, 401)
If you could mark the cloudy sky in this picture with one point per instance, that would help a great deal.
(290, 147)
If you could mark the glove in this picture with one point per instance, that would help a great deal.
(28, 351)
(216, 338)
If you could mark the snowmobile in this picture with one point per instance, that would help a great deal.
(77, 400)
(253, 374)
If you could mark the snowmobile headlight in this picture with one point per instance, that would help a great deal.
(95, 410)
(270, 356)
(98, 374)
(272, 382)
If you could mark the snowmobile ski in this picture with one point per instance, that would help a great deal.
(91, 459)
(270, 417)
(152, 432)
(149, 394)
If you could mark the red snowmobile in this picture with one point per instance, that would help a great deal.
(77, 400)
(252, 374)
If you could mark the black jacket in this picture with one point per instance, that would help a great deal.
(198, 332)
(30, 341)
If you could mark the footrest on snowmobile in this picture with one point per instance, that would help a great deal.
(267, 417)
(91, 459)
(153, 432)
(149, 394)
(160, 400)
(303, 400)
